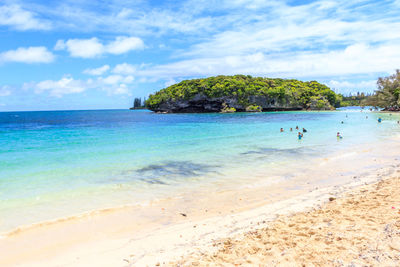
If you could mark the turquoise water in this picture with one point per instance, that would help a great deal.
(63, 162)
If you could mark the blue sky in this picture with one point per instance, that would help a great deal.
(81, 54)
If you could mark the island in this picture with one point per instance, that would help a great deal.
(242, 93)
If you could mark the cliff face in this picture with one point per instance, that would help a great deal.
(241, 93)
(202, 104)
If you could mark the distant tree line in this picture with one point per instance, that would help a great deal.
(138, 103)
(354, 100)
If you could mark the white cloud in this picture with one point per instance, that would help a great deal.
(124, 68)
(64, 86)
(122, 89)
(112, 79)
(347, 87)
(5, 90)
(91, 48)
(20, 19)
(97, 71)
(357, 59)
(38, 54)
(84, 48)
(122, 45)
(116, 79)
(112, 84)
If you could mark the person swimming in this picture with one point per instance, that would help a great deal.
(304, 130)
(342, 122)
(291, 129)
(338, 136)
(300, 135)
(379, 119)
(297, 127)
(282, 130)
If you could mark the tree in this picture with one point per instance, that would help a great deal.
(137, 103)
(388, 94)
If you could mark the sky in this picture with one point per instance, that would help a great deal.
(83, 54)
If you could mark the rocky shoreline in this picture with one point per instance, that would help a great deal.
(203, 104)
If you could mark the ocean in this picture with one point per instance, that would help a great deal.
(61, 163)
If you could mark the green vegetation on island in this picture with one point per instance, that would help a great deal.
(243, 93)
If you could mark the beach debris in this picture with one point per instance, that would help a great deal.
(332, 198)
(183, 214)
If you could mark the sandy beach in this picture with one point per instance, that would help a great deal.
(360, 229)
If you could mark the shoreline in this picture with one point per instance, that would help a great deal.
(114, 235)
(231, 226)
(254, 185)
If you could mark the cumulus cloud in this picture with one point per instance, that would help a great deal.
(20, 19)
(115, 79)
(38, 54)
(84, 48)
(124, 68)
(66, 85)
(112, 84)
(91, 48)
(97, 71)
(122, 45)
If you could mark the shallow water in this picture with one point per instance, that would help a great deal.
(61, 163)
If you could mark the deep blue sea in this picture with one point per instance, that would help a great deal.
(56, 163)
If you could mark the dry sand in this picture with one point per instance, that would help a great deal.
(360, 229)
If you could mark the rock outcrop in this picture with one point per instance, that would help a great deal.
(242, 93)
(203, 104)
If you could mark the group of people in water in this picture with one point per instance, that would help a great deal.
(338, 135)
(299, 135)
